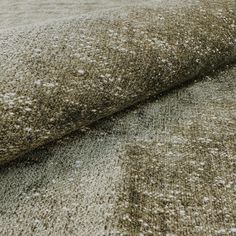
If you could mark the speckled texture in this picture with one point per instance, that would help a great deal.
(166, 167)
(23, 12)
(163, 168)
(59, 76)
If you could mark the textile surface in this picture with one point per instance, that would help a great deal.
(163, 167)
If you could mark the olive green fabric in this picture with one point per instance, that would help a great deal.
(58, 76)
(164, 168)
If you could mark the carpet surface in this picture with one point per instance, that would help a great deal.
(77, 157)
(163, 168)
(60, 76)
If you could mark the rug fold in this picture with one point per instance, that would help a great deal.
(60, 76)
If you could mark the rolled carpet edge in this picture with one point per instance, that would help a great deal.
(58, 77)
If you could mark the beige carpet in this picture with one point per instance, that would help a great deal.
(166, 167)
(61, 75)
